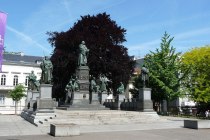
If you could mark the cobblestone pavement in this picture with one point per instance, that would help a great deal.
(158, 134)
(13, 127)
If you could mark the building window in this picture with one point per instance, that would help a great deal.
(3, 80)
(2, 98)
(26, 81)
(15, 80)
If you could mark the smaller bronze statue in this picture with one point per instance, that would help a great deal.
(120, 90)
(103, 82)
(102, 85)
(93, 87)
(33, 83)
(71, 87)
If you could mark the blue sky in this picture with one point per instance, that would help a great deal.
(188, 21)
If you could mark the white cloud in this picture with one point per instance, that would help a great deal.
(167, 23)
(27, 39)
(145, 45)
(192, 33)
(180, 39)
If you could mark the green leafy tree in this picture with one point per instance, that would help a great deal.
(196, 63)
(164, 65)
(17, 94)
(107, 55)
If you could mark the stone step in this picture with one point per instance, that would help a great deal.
(88, 121)
(100, 117)
(108, 115)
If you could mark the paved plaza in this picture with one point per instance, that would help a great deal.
(13, 127)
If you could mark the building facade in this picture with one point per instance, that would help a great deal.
(16, 68)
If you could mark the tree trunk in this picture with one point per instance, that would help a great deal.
(15, 107)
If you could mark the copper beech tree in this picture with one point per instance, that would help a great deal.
(107, 55)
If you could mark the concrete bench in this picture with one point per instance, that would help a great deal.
(60, 130)
(196, 124)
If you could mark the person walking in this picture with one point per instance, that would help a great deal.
(207, 113)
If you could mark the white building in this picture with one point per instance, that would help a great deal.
(15, 70)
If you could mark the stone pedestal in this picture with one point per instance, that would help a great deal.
(29, 96)
(35, 95)
(28, 99)
(45, 100)
(41, 105)
(95, 98)
(145, 103)
(45, 91)
(121, 99)
(82, 73)
(81, 97)
(164, 106)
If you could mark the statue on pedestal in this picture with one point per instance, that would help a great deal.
(103, 85)
(33, 83)
(120, 90)
(144, 75)
(71, 87)
(93, 87)
(47, 69)
(83, 52)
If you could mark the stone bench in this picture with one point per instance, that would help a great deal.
(196, 124)
(60, 130)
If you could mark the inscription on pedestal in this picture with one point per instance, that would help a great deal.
(45, 104)
(145, 102)
(82, 73)
(84, 86)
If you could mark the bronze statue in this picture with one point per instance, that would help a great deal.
(82, 61)
(103, 82)
(144, 75)
(93, 87)
(47, 69)
(33, 83)
(71, 87)
(120, 90)
(102, 86)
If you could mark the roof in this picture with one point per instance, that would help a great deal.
(139, 62)
(20, 57)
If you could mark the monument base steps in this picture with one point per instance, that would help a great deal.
(100, 117)
(38, 116)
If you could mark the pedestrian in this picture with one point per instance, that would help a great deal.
(207, 113)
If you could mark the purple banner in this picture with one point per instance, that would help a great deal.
(3, 18)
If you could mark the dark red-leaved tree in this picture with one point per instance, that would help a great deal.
(107, 55)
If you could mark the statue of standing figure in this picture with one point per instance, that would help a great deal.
(93, 87)
(144, 75)
(102, 86)
(120, 90)
(71, 87)
(83, 52)
(33, 83)
(47, 69)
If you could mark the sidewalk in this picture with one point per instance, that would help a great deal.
(13, 125)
